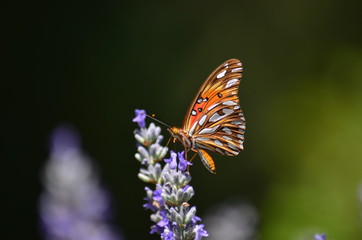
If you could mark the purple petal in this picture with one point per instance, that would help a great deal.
(322, 236)
(167, 234)
(196, 219)
(200, 232)
(163, 222)
(158, 198)
(63, 139)
(140, 118)
(183, 163)
(156, 229)
(172, 160)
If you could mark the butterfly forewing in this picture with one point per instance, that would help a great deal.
(215, 119)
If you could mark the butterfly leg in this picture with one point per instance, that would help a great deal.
(188, 167)
(193, 157)
(168, 141)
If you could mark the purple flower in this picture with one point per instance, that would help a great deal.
(183, 163)
(140, 118)
(174, 218)
(74, 205)
(64, 138)
(322, 236)
(172, 160)
(200, 232)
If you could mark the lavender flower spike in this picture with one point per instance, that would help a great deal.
(74, 205)
(173, 216)
(322, 236)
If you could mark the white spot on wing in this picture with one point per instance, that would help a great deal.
(241, 130)
(227, 111)
(193, 113)
(227, 138)
(192, 129)
(212, 106)
(220, 75)
(240, 136)
(202, 120)
(219, 151)
(229, 103)
(208, 130)
(216, 117)
(232, 153)
(236, 107)
(202, 139)
(231, 82)
(237, 70)
(217, 142)
(232, 146)
(238, 123)
(227, 130)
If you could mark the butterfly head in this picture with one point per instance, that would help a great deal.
(179, 135)
(174, 131)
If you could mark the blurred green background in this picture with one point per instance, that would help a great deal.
(92, 64)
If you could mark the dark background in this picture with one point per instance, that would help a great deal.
(92, 64)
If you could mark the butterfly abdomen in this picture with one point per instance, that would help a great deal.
(207, 161)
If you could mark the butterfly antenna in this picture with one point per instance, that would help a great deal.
(158, 121)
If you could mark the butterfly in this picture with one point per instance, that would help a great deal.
(214, 120)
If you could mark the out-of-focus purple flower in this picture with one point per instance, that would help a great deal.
(322, 236)
(74, 204)
(64, 139)
(172, 214)
(172, 160)
(232, 220)
(183, 163)
(140, 118)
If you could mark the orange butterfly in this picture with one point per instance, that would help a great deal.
(214, 120)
